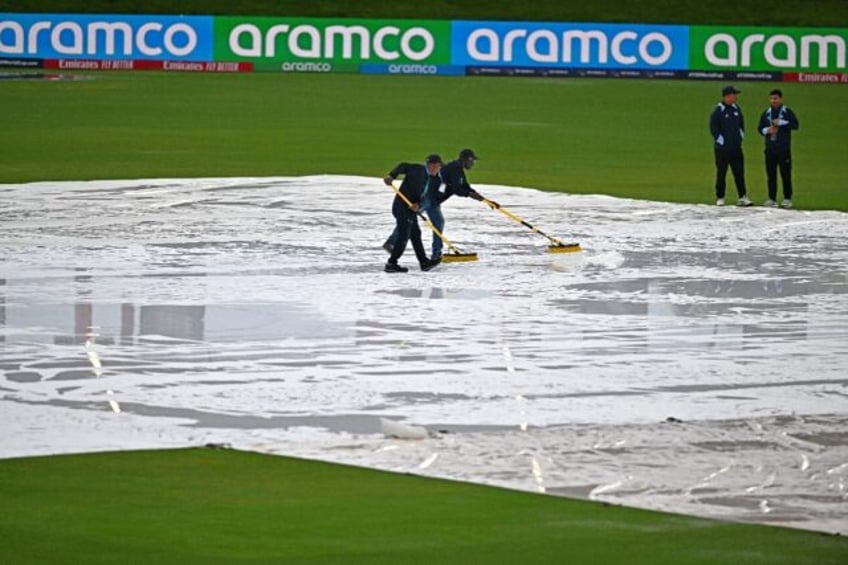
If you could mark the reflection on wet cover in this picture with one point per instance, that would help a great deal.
(178, 322)
(644, 299)
(709, 307)
(125, 323)
(437, 293)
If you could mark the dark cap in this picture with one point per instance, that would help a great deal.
(434, 158)
(467, 154)
(729, 90)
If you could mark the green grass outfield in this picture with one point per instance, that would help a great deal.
(638, 139)
(213, 506)
(628, 138)
(631, 138)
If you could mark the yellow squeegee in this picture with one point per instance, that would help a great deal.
(458, 257)
(564, 248)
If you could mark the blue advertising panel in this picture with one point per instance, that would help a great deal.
(411, 69)
(116, 36)
(595, 46)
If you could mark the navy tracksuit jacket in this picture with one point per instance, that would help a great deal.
(453, 175)
(417, 184)
(778, 152)
(727, 126)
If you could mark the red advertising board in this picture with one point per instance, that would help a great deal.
(826, 78)
(144, 65)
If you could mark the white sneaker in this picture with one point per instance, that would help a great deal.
(744, 201)
(720, 202)
(770, 203)
(786, 204)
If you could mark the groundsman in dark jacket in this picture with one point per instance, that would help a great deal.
(776, 125)
(452, 181)
(727, 126)
(418, 182)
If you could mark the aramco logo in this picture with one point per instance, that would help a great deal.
(345, 42)
(97, 38)
(780, 50)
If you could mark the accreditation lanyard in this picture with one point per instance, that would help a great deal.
(779, 114)
(771, 118)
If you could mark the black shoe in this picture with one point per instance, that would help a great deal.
(430, 263)
(395, 268)
(388, 248)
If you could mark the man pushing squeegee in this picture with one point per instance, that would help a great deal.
(425, 192)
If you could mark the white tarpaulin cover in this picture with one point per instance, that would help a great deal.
(691, 358)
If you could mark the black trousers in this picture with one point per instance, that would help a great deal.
(779, 160)
(736, 161)
(406, 222)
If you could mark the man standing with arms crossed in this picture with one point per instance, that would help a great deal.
(776, 125)
(727, 126)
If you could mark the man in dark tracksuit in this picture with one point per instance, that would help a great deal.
(727, 126)
(776, 125)
(418, 181)
(453, 182)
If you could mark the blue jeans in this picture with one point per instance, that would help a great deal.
(434, 212)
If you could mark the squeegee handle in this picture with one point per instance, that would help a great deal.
(515, 217)
(426, 219)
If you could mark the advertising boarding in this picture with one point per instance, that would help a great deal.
(595, 46)
(764, 49)
(798, 54)
(331, 45)
(107, 37)
(428, 47)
